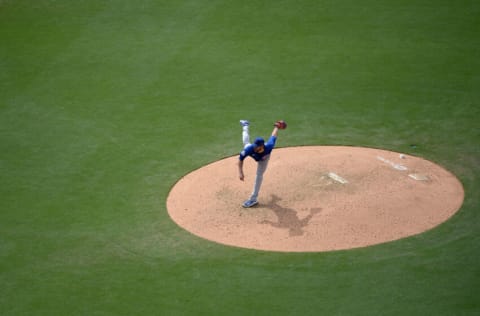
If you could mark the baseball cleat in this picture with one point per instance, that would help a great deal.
(249, 203)
(244, 122)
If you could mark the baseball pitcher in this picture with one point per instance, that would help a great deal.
(260, 152)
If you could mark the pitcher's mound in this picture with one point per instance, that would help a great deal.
(316, 199)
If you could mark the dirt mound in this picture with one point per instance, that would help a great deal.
(318, 198)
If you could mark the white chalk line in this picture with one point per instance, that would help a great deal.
(337, 178)
(419, 177)
(392, 164)
(415, 176)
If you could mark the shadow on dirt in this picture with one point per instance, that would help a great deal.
(288, 218)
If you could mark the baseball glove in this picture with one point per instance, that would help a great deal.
(281, 124)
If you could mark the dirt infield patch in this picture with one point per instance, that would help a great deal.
(318, 198)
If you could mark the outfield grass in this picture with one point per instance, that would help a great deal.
(104, 105)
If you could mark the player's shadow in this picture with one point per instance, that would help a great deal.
(288, 218)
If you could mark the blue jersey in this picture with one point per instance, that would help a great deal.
(249, 150)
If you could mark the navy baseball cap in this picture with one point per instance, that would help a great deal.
(259, 142)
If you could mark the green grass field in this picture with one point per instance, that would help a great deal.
(104, 105)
